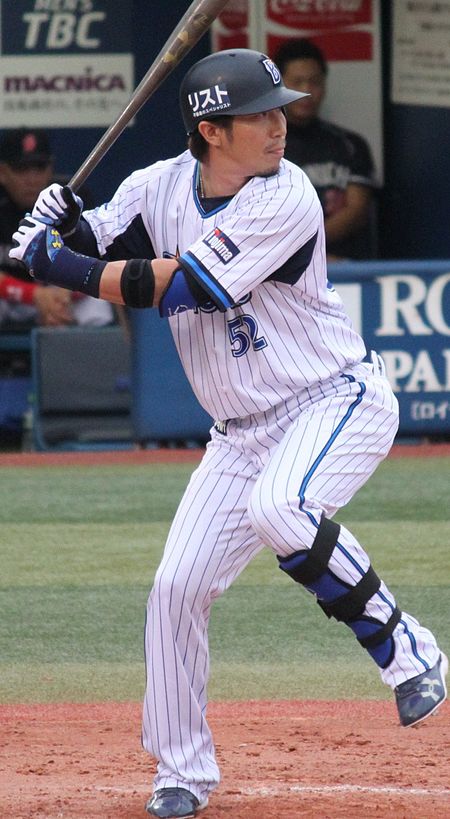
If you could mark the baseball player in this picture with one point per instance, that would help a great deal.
(227, 241)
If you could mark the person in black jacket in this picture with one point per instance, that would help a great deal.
(338, 162)
(26, 167)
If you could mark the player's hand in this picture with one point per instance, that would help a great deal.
(36, 245)
(58, 206)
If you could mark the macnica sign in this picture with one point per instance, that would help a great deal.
(88, 80)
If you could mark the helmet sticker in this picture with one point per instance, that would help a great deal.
(273, 71)
(208, 100)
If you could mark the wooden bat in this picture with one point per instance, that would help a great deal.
(194, 23)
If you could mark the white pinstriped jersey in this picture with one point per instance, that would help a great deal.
(273, 343)
(261, 255)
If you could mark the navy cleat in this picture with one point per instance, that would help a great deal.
(174, 803)
(421, 696)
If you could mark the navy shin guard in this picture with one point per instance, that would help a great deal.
(339, 599)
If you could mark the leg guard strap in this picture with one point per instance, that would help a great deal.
(349, 605)
(379, 636)
(315, 561)
(337, 598)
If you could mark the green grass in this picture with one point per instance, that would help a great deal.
(79, 548)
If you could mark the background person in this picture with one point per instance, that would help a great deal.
(26, 167)
(337, 161)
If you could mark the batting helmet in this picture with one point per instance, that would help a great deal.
(236, 81)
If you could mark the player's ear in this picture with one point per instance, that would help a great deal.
(210, 132)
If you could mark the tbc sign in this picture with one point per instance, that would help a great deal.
(64, 63)
(61, 30)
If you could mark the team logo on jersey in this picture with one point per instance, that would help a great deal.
(273, 71)
(221, 245)
(209, 100)
(221, 426)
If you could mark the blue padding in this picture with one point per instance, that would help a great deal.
(382, 654)
(177, 298)
(328, 588)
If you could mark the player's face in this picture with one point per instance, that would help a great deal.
(256, 142)
(306, 76)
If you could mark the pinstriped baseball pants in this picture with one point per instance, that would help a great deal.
(265, 483)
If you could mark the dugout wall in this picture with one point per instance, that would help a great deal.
(401, 309)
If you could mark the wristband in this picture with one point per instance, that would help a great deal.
(17, 291)
(75, 272)
(53, 263)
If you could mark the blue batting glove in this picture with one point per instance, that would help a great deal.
(42, 251)
(36, 245)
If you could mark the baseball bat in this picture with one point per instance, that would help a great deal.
(194, 23)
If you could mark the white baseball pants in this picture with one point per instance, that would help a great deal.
(263, 483)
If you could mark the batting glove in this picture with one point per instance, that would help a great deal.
(42, 251)
(58, 206)
(36, 245)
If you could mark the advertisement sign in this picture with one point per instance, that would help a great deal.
(347, 31)
(64, 63)
(421, 53)
(230, 29)
(343, 30)
(402, 310)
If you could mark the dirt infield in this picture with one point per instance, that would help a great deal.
(153, 456)
(327, 760)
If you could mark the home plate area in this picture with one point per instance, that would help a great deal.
(278, 759)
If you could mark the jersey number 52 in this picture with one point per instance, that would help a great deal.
(243, 333)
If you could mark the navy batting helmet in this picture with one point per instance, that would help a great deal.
(236, 81)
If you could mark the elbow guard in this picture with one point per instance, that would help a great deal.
(137, 283)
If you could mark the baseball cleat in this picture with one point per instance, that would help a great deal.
(421, 696)
(174, 803)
